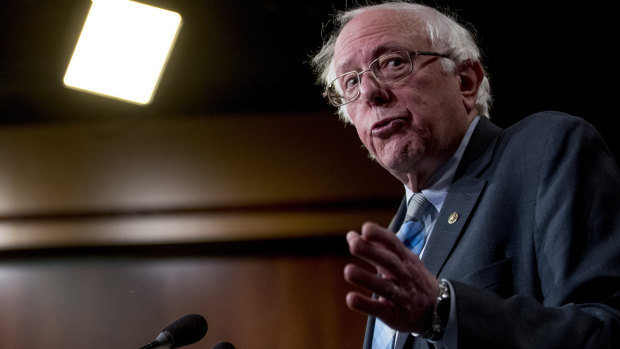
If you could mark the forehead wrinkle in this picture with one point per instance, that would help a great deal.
(397, 28)
(374, 53)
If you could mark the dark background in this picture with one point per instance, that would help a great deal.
(110, 233)
(235, 57)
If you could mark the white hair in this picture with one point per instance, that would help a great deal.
(444, 33)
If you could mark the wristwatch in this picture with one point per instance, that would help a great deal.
(441, 312)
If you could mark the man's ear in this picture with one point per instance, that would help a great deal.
(471, 73)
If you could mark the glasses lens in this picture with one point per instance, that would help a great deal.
(343, 89)
(334, 95)
(387, 68)
(392, 66)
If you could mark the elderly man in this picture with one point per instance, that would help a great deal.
(506, 238)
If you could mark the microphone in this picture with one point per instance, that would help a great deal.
(186, 330)
(223, 345)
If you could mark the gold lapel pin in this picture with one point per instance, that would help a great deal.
(453, 218)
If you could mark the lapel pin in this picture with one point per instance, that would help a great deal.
(453, 218)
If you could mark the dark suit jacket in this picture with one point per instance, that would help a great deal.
(534, 256)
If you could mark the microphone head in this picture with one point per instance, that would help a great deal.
(188, 329)
(223, 345)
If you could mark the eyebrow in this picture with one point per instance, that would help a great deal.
(385, 47)
(388, 47)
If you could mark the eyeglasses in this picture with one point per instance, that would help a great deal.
(387, 69)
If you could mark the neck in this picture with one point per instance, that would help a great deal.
(419, 178)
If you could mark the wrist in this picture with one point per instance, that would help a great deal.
(440, 314)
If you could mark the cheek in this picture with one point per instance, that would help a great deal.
(366, 139)
(439, 91)
(362, 126)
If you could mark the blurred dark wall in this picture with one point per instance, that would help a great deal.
(230, 194)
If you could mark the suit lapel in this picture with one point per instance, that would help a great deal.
(465, 192)
(401, 338)
(451, 222)
(445, 234)
(399, 217)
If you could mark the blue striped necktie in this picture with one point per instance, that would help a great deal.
(412, 234)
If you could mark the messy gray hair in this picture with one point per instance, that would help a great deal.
(444, 33)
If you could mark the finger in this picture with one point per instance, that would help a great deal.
(375, 254)
(375, 233)
(358, 302)
(381, 248)
(374, 283)
(405, 261)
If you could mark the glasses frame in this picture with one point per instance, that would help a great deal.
(332, 98)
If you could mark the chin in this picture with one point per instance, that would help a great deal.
(403, 161)
(395, 164)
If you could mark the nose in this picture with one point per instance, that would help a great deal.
(371, 89)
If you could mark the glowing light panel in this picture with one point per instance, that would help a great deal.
(122, 50)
